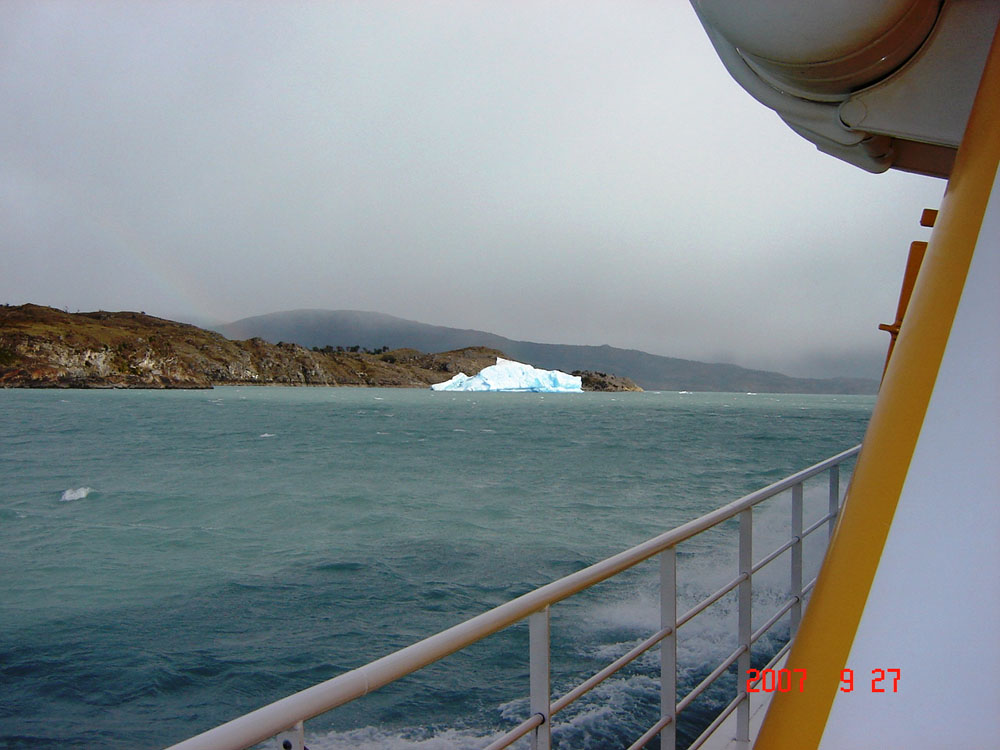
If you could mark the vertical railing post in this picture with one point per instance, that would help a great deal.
(834, 497)
(745, 624)
(668, 647)
(796, 557)
(538, 647)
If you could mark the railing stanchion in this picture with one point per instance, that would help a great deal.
(538, 645)
(745, 626)
(834, 496)
(796, 587)
(668, 647)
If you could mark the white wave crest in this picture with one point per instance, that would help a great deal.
(374, 738)
(75, 494)
(586, 724)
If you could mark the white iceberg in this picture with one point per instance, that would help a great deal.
(507, 375)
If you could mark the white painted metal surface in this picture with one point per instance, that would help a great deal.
(668, 648)
(540, 700)
(878, 84)
(745, 619)
(832, 49)
(930, 100)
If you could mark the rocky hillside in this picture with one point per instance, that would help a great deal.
(42, 347)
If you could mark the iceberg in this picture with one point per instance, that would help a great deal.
(507, 375)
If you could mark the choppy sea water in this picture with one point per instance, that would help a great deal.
(171, 560)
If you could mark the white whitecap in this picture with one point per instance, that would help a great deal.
(75, 494)
(409, 738)
(266, 434)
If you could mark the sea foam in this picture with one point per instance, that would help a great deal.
(75, 494)
(412, 738)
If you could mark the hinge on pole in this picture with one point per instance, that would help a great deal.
(913, 261)
(928, 218)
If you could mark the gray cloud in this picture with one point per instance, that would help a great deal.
(557, 171)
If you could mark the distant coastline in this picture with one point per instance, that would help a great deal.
(42, 347)
(314, 327)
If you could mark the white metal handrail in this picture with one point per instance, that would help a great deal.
(284, 717)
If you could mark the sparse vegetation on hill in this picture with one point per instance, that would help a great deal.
(41, 347)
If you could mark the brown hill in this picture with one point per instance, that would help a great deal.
(41, 347)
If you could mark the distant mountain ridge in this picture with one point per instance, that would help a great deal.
(313, 327)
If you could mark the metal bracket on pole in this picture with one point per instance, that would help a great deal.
(293, 738)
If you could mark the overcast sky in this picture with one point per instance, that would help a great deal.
(565, 172)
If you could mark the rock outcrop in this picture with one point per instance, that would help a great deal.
(602, 381)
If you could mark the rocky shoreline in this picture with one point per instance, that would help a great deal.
(42, 347)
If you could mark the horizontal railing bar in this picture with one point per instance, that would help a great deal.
(791, 543)
(819, 523)
(706, 603)
(774, 660)
(717, 722)
(776, 554)
(809, 586)
(774, 618)
(651, 733)
(590, 683)
(267, 721)
(703, 737)
(712, 677)
(777, 657)
(535, 720)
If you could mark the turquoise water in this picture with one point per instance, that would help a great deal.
(173, 559)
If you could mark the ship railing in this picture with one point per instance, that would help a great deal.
(284, 719)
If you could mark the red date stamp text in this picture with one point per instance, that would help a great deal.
(794, 680)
